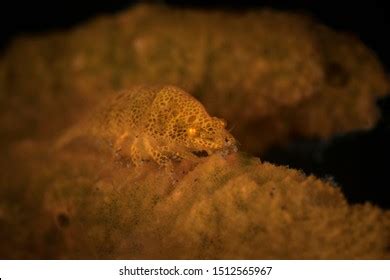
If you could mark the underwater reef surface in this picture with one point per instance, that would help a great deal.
(263, 71)
(273, 75)
(79, 203)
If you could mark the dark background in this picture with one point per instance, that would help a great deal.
(358, 162)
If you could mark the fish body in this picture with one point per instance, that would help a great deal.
(155, 123)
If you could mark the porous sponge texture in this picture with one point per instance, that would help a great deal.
(344, 102)
(84, 205)
(263, 59)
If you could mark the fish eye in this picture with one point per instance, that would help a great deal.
(192, 131)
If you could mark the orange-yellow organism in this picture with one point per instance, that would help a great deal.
(156, 123)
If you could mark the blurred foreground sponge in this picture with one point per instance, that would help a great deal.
(85, 205)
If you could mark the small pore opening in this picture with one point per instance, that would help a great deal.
(63, 220)
(336, 75)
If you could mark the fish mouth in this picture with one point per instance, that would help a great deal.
(200, 153)
(232, 148)
(205, 153)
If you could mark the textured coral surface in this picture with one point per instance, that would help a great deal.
(80, 203)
